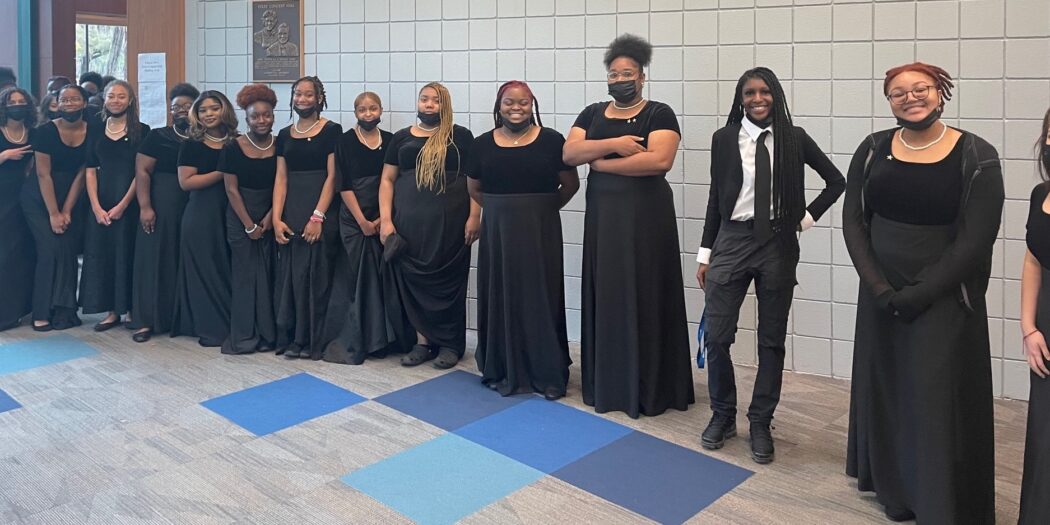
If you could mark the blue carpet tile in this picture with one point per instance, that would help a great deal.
(7, 402)
(449, 401)
(280, 404)
(25, 355)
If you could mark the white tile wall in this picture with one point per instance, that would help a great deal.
(831, 56)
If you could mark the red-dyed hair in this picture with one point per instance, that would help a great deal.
(941, 79)
(253, 93)
(498, 119)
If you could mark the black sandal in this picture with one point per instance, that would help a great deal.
(446, 358)
(43, 328)
(420, 354)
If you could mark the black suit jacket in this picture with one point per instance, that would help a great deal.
(727, 177)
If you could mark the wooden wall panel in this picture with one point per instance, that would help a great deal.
(157, 26)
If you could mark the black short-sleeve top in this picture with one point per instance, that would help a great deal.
(915, 193)
(404, 149)
(309, 153)
(654, 116)
(16, 169)
(163, 145)
(356, 160)
(1038, 228)
(197, 154)
(532, 168)
(252, 174)
(119, 154)
(64, 158)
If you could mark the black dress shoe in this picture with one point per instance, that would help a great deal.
(897, 514)
(761, 443)
(45, 328)
(553, 394)
(293, 352)
(721, 428)
(103, 326)
(142, 337)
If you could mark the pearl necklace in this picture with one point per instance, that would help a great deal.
(121, 130)
(249, 137)
(177, 134)
(927, 146)
(364, 140)
(213, 139)
(307, 130)
(20, 139)
(522, 134)
(632, 106)
(428, 130)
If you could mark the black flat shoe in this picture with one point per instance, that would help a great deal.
(142, 337)
(102, 327)
(293, 353)
(45, 328)
(264, 347)
(552, 394)
(895, 514)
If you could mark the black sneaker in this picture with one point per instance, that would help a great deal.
(761, 443)
(721, 428)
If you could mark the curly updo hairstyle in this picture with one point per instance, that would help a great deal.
(253, 93)
(631, 46)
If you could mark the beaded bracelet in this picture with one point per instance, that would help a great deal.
(316, 219)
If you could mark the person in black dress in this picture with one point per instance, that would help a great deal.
(634, 340)
(161, 203)
(17, 258)
(366, 330)
(109, 250)
(921, 214)
(249, 167)
(516, 173)
(423, 199)
(1035, 321)
(202, 286)
(303, 203)
(60, 148)
(755, 209)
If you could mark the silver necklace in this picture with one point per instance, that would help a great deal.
(364, 140)
(307, 130)
(121, 130)
(428, 130)
(180, 135)
(632, 106)
(20, 139)
(522, 134)
(249, 137)
(213, 139)
(900, 136)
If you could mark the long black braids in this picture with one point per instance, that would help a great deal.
(788, 195)
(318, 90)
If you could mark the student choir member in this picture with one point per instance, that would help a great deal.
(754, 211)
(305, 222)
(366, 331)
(60, 149)
(921, 214)
(634, 341)
(428, 223)
(109, 250)
(202, 286)
(249, 167)
(516, 173)
(1035, 322)
(161, 203)
(17, 256)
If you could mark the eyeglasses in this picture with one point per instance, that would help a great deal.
(76, 100)
(919, 92)
(622, 75)
(180, 107)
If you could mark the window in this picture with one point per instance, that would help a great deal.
(102, 48)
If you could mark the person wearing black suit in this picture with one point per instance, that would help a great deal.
(756, 206)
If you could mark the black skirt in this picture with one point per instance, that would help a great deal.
(17, 253)
(364, 328)
(55, 278)
(522, 341)
(430, 275)
(634, 340)
(1035, 486)
(157, 257)
(202, 288)
(109, 251)
(920, 424)
(304, 271)
(252, 320)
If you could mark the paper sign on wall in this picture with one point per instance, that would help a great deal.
(152, 76)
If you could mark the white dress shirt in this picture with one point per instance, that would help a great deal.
(744, 209)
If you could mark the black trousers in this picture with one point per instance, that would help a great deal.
(736, 261)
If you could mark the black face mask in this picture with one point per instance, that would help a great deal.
(623, 91)
(1046, 157)
(517, 128)
(305, 112)
(19, 112)
(368, 125)
(429, 119)
(52, 115)
(761, 123)
(118, 115)
(922, 124)
(71, 116)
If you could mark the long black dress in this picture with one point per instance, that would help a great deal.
(109, 251)
(202, 286)
(157, 254)
(365, 328)
(252, 324)
(634, 340)
(921, 237)
(55, 279)
(1035, 486)
(304, 271)
(429, 277)
(523, 345)
(17, 254)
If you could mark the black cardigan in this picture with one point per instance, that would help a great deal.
(966, 266)
(727, 176)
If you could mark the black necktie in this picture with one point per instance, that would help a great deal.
(763, 187)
